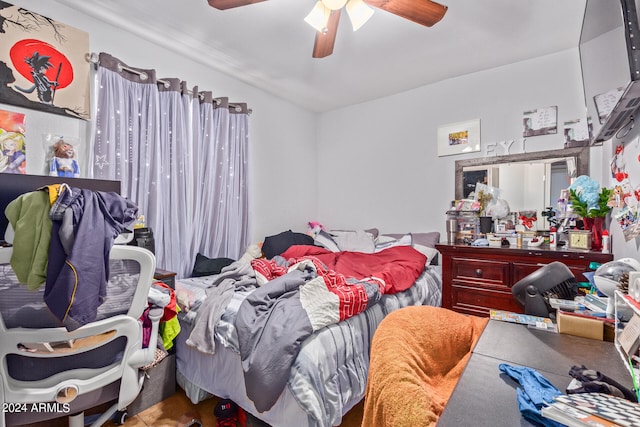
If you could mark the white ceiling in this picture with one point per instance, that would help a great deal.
(268, 45)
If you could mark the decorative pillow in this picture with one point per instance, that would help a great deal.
(276, 244)
(354, 241)
(387, 241)
(374, 232)
(428, 239)
(430, 253)
(208, 266)
(325, 240)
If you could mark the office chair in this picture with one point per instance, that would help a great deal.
(48, 372)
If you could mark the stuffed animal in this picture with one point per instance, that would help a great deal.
(63, 162)
(314, 228)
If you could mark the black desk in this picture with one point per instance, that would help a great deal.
(486, 397)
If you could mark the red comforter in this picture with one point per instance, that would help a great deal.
(398, 266)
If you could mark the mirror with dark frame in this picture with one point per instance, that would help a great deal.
(527, 181)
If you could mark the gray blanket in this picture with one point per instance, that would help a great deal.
(238, 275)
(299, 296)
(271, 325)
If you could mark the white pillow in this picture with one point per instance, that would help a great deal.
(384, 242)
(430, 253)
(354, 241)
(325, 240)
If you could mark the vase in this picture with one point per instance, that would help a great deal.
(595, 225)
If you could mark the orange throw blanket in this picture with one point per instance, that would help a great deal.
(417, 355)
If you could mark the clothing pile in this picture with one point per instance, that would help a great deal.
(161, 295)
(63, 238)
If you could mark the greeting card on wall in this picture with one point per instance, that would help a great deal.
(13, 157)
(457, 138)
(543, 121)
(42, 63)
(606, 101)
(577, 133)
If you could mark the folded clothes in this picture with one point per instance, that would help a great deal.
(158, 297)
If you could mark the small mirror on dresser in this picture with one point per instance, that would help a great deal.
(527, 181)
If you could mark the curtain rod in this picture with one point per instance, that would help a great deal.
(94, 59)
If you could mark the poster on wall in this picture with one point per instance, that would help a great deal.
(542, 121)
(13, 157)
(42, 63)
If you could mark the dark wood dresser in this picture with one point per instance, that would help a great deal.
(478, 279)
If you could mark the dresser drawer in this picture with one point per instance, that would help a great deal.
(479, 301)
(480, 270)
(522, 270)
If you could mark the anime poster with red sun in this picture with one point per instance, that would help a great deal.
(43, 63)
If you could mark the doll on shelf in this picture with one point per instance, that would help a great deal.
(63, 162)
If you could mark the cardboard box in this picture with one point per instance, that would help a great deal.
(580, 326)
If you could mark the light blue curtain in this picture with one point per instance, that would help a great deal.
(180, 155)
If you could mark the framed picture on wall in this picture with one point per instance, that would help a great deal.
(541, 121)
(459, 138)
(43, 63)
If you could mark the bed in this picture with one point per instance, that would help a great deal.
(327, 373)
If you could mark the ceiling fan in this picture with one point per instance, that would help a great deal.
(325, 15)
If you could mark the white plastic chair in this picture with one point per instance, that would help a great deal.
(49, 372)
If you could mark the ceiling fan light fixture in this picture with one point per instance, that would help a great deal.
(334, 4)
(359, 13)
(318, 18)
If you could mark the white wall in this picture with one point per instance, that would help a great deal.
(282, 135)
(378, 163)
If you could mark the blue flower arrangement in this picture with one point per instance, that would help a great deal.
(588, 199)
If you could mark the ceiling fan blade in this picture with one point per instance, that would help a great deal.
(423, 12)
(323, 45)
(228, 4)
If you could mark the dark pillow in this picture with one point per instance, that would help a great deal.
(428, 239)
(209, 266)
(277, 244)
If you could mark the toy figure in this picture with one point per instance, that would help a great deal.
(12, 146)
(63, 162)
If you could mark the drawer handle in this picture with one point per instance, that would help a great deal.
(479, 272)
